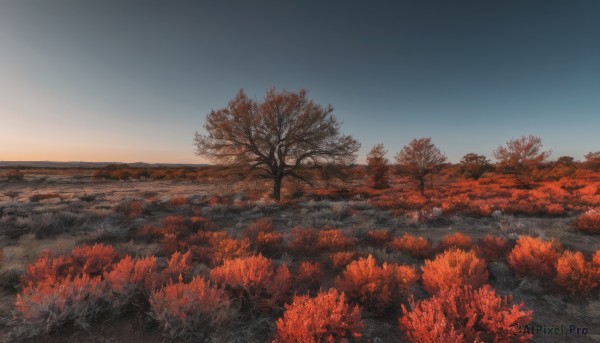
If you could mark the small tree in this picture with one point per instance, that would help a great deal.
(474, 166)
(521, 157)
(378, 167)
(419, 159)
(592, 161)
(277, 137)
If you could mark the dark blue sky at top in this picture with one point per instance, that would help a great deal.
(132, 80)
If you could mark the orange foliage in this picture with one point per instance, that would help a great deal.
(457, 240)
(376, 287)
(533, 257)
(177, 266)
(263, 225)
(378, 237)
(303, 240)
(453, 267)
(269, 242)
(178, 201)
(130, 278)
(324, 318)
(465, 315)
(192, 309)
(589, 221)
(493, 247)
(418, 247)
(596, 259)
(309, 275)
(576, 275)
(340, 259)
(333, 240)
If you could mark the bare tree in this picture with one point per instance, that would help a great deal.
(521, 157)
(277, 137)
(474, 165)
(378, 167)
(419, 159)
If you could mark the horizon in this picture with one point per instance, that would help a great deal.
(132, 81)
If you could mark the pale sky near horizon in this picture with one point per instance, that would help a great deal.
(131, 81)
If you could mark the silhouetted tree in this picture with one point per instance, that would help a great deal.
(378, 167)
(522, 157)
(592, 161)
(276, 137)
(419, 159)
(474, 165)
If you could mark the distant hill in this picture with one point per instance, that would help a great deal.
(90, 165)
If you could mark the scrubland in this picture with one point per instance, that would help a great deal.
(190, 255)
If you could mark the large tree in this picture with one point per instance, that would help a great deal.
(282, 135)
(378, 167)
(522, 157)
(474, 165)
(419, 159)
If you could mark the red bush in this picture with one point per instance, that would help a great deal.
(333, 240)
(130, 278)
(457, 240)
(493, 247)
(229, 248)
(418, 247)
(589, 221)
(94, 260)
(533, 257)
(576, 275)
(309, 275)
(596, 259)
(376, 287)
(303, 240)
(378, 237)
(453, 267)
(340, 259)
(465, 315)
(269, 242)
(324, 318)
(178, 266)
(178, 201)
(263, 225)
(176, 225)
(191, 310)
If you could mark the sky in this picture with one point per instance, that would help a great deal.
(129, 81)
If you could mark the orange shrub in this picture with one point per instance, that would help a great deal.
(340, 259)
(253, 277)
(94, 260)
(133, 209)
(128, 279)
(178, 201)
(50, 303)
(191, 310)
(333, 240)
(269, 242)
(376, 287)
(493, 247)
(596, 259)
(589, 221)
(457, 240)
(576, 275)
(378, 237)
(309, 275)
(175, 225)
(453, 267)
(464, 315)
(229, 248)
(49, 267)
(324, 318)
(533, 257)
(418, 247)
(303, 240)
(260, 225)
(177, 266)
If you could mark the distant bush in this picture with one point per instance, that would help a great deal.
(453, 267)
(324, 318)
(576, 275)
(533, 257)
(309, 275)
(376, 287)
(192, 310)
(333, 240)
(589, 221)
(269, 242)
(263, 225)
(378, 237)
(15, 175)
(418, 247)
(303, 240)
(340, 259)
(462, 314)
(493, 247)
(457, 240)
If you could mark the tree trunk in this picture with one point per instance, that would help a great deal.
(277, 188)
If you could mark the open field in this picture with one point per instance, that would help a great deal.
(185, 232)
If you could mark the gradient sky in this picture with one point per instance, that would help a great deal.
(132, 80)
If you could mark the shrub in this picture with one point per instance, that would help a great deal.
(269, 242)
(457, 240)
(462, 314)
(51, 303)
(95, 259)
(596, 259)
(191, 310)
(15, 175)
(176, 225)
(128, 279)
(493, 247)
(132, 209)
(453, 267)
(253, 277)
(589, 221)
(533, 257)
(376, 287)
(177, 266)
(378, 237)
(178, 201)
(340, 259)
(576, 275)
(333, 240)
(418, 247)
(324, 318)
(229, 248)
(303, 240)
(263, 225)
(309, 275)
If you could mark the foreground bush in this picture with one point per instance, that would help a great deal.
(324, 318)
(130, 278)
(462, 314)
(533, 257)
(576, 275)
(51, 303)
(418, 247)
(192, 310)
(589, 221)
(493, 247)
(453, 267)
(376, 287)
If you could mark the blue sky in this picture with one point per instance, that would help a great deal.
(133, 80)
